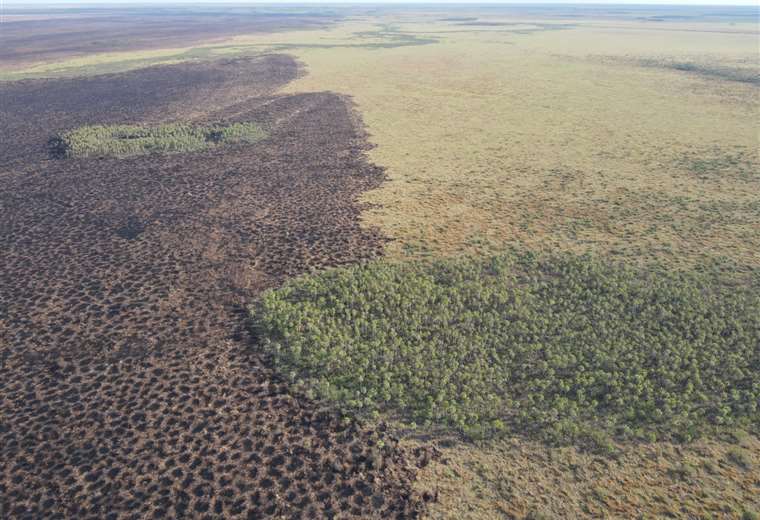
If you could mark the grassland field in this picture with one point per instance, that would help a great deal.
(636, 140)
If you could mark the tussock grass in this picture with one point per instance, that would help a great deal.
(536, 142)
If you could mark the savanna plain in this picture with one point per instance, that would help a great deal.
(380, 261)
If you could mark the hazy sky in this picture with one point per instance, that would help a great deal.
(91, 3)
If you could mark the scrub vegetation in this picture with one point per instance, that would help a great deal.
(130, 140)
(567, 347)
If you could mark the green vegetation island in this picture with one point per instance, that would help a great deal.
(131, 140)
(565, 346)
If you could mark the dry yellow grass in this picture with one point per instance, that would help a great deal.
(519, 479)
(556, 139)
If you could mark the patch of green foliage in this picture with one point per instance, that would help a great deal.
(566, 347)
(131, 140)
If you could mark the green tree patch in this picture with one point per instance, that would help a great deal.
(131, 140)
(563, 346)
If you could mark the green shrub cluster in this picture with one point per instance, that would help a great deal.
(130, 140)
(562, 346)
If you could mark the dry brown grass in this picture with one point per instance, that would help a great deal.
(519, 479)
(493, 138)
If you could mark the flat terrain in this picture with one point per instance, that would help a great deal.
(629, 133)
(557, 135)
(127, 383)
(564, 133)
(48, 35)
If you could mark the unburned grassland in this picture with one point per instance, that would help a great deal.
(515, 478)
(494, 138)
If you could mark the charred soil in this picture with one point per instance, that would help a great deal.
(128, 384)
(47, 37)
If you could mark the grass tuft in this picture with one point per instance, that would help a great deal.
(740, 458)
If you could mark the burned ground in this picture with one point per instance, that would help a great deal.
(129, 386)
(27, 38)
(34, 111)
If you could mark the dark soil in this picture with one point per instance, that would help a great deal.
(129, 387)
(52, 34)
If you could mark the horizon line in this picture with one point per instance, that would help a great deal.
(179, 3)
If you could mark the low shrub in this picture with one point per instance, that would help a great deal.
(131, 140)
(565, 346)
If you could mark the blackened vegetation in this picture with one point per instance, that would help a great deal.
(35, 112)
(87, 30)
(131, 229)
(126, 385)
(57, 147)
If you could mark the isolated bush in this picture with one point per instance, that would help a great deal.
(129, 140)
(566, 346)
